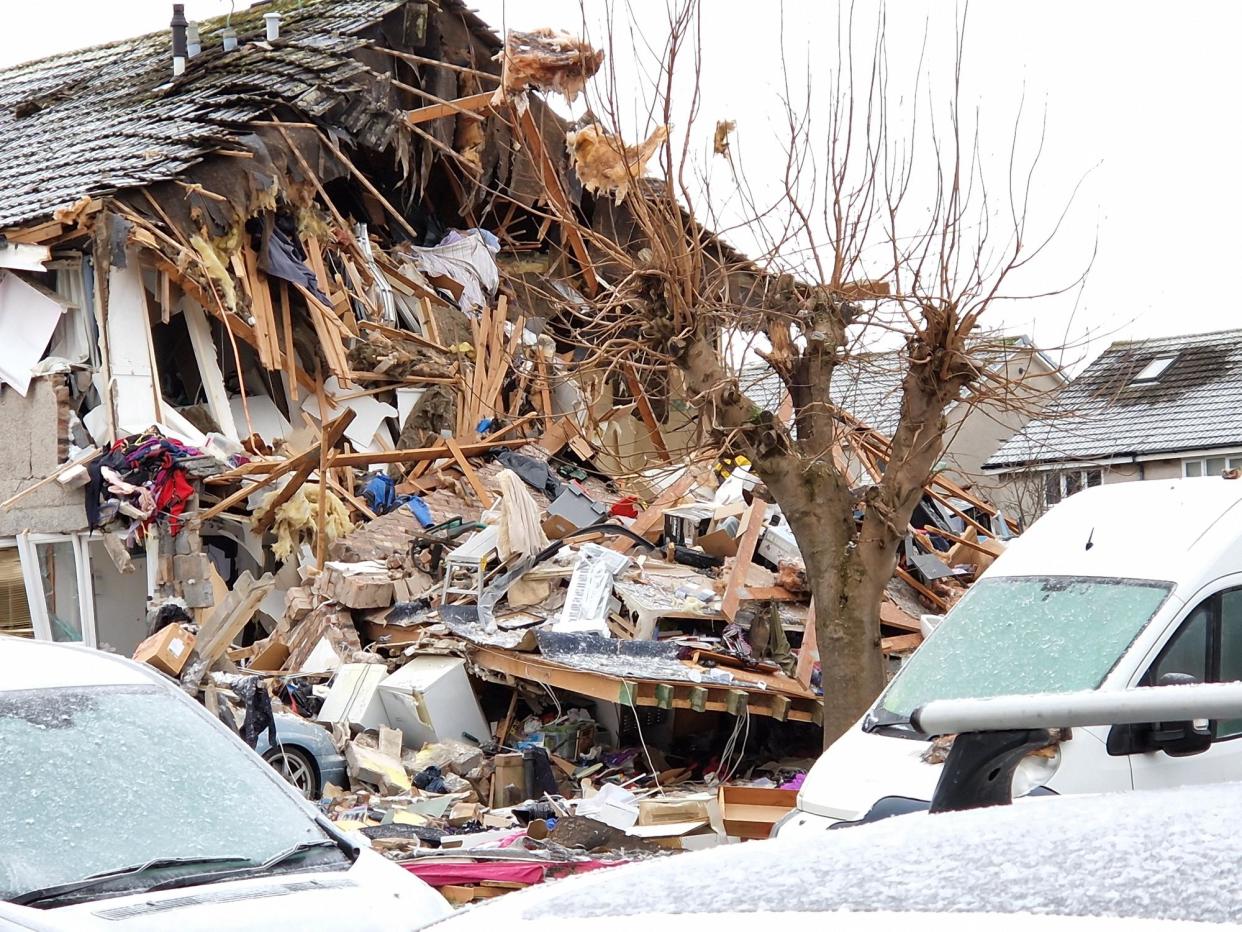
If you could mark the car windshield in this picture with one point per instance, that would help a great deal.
(112, 777)
(1025, 634)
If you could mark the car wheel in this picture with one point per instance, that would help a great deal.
(297, 767)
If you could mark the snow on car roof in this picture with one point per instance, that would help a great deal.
(1162, 854)
(26, 664)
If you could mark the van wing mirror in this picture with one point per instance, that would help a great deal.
(1177, 739)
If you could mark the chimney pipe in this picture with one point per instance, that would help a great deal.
(178, 25)
(193, 44)
(272, 21)
(229, 35)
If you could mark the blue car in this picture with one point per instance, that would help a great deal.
(304, 755)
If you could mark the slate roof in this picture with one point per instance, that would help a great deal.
(102, 119)
(867, 385)
(1195, 404)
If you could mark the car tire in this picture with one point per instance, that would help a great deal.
(296, 766)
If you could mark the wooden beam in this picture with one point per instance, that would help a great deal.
(570, 230)
(225, 622)
(922, 590)
(471, 476)
(261, 309)
(465, 105)
(973, 545)
(247, 490)
(329, 338)
(901, 642)
(423, 454)
(808, 651)
(752, 527)
(57, 472)
(645, 411)
(291, 356)
(321, 504)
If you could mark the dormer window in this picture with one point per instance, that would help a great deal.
(1154, 369)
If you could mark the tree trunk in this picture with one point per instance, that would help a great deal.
(816, 502)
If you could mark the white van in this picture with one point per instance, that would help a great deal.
(1124, 585)
(127, 806)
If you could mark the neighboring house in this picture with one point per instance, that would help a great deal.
(1148, 409)
(868, 386)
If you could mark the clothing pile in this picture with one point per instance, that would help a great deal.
(140, 479)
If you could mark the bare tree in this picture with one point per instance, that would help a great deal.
(881, 224)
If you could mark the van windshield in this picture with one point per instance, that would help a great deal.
(100, 779)
(1011, 635)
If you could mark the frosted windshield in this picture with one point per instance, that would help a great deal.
(1026, 634)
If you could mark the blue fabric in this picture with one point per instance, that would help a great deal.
(381, 493)
(418, 508)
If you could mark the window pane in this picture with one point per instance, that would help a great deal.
(1011, 635)
(1230, 652)
(1052, 488)
(1215, 466)
(58, 573)
(1193, 468)
(1187, 652)
(1073, 482)
(1094, 478)
(14, 611)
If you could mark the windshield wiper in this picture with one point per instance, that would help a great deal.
(883, 719)
(247, 870)
(103, 878)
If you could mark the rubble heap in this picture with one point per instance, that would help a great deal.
(300, 375)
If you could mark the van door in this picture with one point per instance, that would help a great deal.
(1207, 646)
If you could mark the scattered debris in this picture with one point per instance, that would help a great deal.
(356, 472)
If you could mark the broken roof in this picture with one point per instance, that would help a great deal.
(1110, 410)
(103, 119)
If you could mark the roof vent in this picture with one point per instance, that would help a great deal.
(193, 44)
(229, 35)
(178, 25)
(272, 22)
(1154, 369)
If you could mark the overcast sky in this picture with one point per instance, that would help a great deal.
(1137, 97)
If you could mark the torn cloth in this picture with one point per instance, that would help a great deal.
(283, 258)
(259, 717)
(520, 530)
(468, 260)
(144, 474)
(534, 472)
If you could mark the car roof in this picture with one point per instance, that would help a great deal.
(27, 664)
(1107, 531)
(1157, 855)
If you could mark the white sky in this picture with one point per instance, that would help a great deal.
(1138, 100)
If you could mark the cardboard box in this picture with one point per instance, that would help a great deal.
(555, 527)
(752, 811)
(672, 810)
(168, 649)
(270, 656)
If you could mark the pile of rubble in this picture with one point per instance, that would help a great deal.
(370, 480)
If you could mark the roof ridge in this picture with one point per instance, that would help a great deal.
(1184, 337)
(243, 20)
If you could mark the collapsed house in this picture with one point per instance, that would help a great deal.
(287, 420)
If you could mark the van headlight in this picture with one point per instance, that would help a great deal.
(1035, 770)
